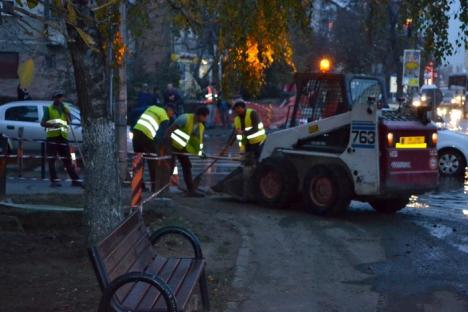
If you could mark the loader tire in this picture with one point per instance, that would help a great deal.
(276, 182)
(327, 190)
(389, 205)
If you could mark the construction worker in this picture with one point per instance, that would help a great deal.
(211, 101)
(148, 135)
(56, 120)
(248, 130)
(186, 136)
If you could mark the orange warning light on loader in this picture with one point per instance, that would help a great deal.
(325, 65)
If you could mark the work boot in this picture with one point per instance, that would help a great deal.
(77, 184)
(194, 193)
(55, 184)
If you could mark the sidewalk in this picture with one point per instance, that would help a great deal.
(16, 186)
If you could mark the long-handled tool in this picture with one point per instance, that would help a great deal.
(197, 180)
(78, 145)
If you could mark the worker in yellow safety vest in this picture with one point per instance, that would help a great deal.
(186, 135)
(248, 130)
(148, 135)
(56, 120)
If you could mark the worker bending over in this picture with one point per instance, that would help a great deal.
(148, 135)
(186, 136)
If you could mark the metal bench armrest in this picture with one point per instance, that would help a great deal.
(189, 235)
(153, 280)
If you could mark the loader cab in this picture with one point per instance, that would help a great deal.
(324, 95)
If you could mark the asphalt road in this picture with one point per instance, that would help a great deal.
(363, 261)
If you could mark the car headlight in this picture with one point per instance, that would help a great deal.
(416, 103)
(441, 111)
(455, 116)
(424, 98)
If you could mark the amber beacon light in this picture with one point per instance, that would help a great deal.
(325, 65)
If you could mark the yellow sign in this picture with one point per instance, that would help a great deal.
(411, 66)
(313, 128)
(26, 73)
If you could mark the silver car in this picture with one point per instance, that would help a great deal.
(28, 115)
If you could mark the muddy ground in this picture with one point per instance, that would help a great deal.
(44, 264)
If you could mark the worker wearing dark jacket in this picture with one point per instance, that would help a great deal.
(248, 129)
(186, 136)
(56, 120)
(148, 135)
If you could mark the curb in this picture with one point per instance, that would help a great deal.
(44, 208)
(240, 272)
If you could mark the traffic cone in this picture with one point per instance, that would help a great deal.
(175, 177)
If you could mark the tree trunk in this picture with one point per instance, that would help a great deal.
(102, 183)
(103, 193)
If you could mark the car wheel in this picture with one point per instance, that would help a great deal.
(451, 163)
(327, 190)
(276, 182)
(389, 205)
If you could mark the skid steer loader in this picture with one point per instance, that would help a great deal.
(340, 144)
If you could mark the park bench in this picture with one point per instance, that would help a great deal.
(133, 277)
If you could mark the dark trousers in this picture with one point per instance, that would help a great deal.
(59, 146)
(252, 152)
(142, 144)
(186, 170)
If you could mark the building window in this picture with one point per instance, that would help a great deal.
(22, 113)
(6, 7)
(9, 65)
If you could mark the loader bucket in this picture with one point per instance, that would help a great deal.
(238, 184)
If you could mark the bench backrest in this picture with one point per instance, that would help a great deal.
(126, 249)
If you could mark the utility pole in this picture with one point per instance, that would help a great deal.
(121, 109)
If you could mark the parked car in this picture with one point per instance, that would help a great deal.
(452, 148)
(28, 115)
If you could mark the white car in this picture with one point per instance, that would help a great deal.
(28, 115)
(452, 147)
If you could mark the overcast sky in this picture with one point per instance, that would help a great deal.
(458, 58)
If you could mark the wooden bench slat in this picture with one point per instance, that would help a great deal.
(139, 292)
(183, 282)
(139, 265)
(119, 234)
(153, 294)
(177, 278)
(113, 260)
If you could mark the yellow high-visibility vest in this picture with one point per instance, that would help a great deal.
(59, 118)
(184, 139)
(254, 138)
(150, 120)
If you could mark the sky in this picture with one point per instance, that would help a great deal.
(458, 58)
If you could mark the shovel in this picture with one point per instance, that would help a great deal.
(197, 179)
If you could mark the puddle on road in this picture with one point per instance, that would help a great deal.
(450, 199)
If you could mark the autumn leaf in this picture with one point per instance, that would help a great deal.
(26, 73)
(111, 2)
(86, 37)
(71, 13)
(32, 3)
